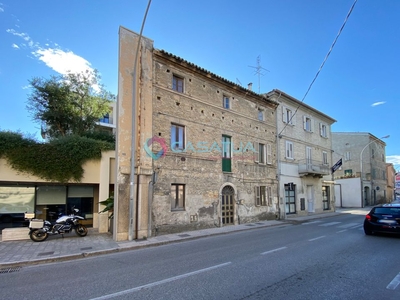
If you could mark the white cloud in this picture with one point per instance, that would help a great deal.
(61, 61)
(1, 9)
(378, 103)
(395, 160)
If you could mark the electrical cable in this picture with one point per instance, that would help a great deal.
(322, 65)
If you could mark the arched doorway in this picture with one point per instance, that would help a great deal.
(227, 205)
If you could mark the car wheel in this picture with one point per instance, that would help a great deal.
(367, 231)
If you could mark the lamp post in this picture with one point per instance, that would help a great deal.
(132, 220)
(361, 166)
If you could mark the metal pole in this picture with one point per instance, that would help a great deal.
(132, 223)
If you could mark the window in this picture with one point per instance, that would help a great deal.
(260, 155)
(307, 124)
(269, 195)
(226, 154)
(383, 157)
(261, 196)
(347, 155)
(269, 154)
(384, 175)
(290, 198)
(287, 116)
(323, 130)
(177, 83)
(289, 149)
(177, 196)
(373, 153)
(226, 102)
(348, 173)
(324, 157)
(260, 115)
(177, 137)
(105, 119)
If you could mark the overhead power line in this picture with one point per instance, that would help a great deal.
(323, 63)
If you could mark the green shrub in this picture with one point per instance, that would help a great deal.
(59, 160)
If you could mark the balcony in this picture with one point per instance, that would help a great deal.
(310, 167)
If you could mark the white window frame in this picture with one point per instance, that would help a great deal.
(323, 130)
(347, 155)
(261, 156)
(289, 150)
(260, 115)
(324, 157)
(226, 102)
(179, 142)
(288, 116)
(308, 124)
(269, 195)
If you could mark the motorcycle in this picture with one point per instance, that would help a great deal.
(39, 230)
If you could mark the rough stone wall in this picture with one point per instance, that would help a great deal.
(200, 109)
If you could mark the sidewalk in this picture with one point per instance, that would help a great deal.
(14, 254)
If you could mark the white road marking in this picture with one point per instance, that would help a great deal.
(160, 282)
(349, 225)
(341, 231)
(394, 283)
(317, 238)
(271, 251)
(330, 224)
(312, 222)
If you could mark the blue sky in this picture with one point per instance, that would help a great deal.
(359, 85)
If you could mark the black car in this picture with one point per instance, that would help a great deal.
(383, 218)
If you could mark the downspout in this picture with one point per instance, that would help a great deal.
(278, 169)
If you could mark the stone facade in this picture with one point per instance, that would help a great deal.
(305, 157)
(364, 153)
(205, 147)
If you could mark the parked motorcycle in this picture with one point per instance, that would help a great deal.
(40, 230)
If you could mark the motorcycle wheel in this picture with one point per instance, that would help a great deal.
(38, 236)
(81, 230)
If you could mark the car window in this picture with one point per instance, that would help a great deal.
(387, 210)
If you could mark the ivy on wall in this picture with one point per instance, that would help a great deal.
(59, 160)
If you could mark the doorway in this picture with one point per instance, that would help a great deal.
(227, 205)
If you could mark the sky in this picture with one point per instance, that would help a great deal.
(358, 85)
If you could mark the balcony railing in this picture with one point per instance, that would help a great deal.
(313, 168)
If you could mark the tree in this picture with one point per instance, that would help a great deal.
(68, 104)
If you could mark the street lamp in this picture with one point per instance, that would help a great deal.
(361, 166)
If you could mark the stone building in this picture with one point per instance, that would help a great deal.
(363, 157)
(304, 157)
(204, 148)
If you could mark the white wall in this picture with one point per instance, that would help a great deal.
(347, 192)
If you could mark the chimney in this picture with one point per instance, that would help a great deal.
(250, 86)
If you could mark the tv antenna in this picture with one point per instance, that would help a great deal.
(238, 82)
(258, 71)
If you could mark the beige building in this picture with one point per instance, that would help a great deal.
(203, 147)
(363, 156)
(304, 157)
(391, 179)
(20, 193)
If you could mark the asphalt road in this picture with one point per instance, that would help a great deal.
(329, 258)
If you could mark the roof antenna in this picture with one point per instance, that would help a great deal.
(259, 71)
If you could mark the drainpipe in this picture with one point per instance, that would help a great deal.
(278, 169)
